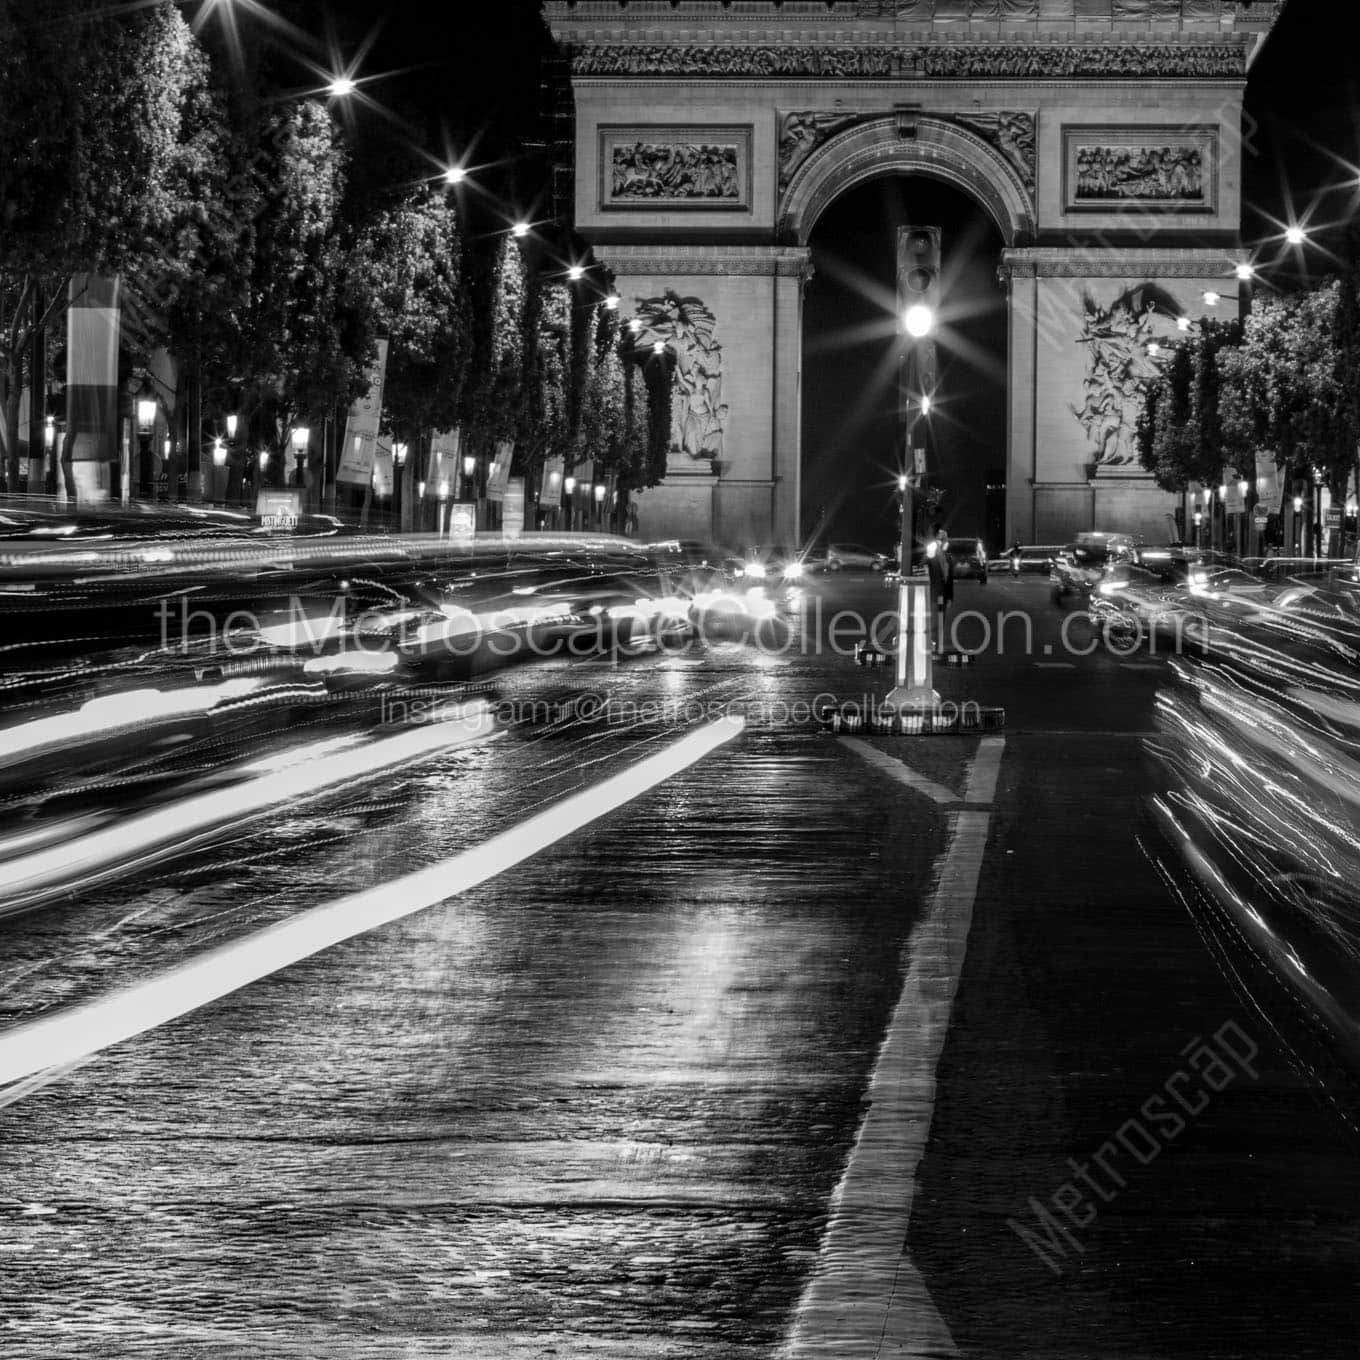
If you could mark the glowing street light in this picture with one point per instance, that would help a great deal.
(918, 321)
(1153, 349)
(925, 404)
(901, 481)
(1244, 271)
(576, 273)
(455, 174)
(342, 86)
(569, 486)
(1182, 323)
(520, 230)
(219, 453)
(612, 302)
(233, 424)
(1244, 486)
(1212, 298)
(1296, 236)
(659, 347)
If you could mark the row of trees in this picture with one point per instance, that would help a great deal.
(1281, 388)
(247, 260)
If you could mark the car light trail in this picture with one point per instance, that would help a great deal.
(131, 840)
(72, 1035)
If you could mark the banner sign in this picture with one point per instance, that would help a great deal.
(463, 522)
(93, 322)
(279, 509)
(512, 510)
(443, 464)
(554, 470)
(384, 473)
(1267, 478)
(1234, 503)
(359, 451)
(498, 476)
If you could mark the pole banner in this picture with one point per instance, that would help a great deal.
(92, 329)
(359, 451)
(554, 470)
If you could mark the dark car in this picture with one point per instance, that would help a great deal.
(1080, 565)
(968, 557)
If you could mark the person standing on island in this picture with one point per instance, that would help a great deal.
(941, 571)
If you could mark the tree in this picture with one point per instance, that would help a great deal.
(409, 260)
(111, 171)
(546, 431)
(498, 391)
(305, 325)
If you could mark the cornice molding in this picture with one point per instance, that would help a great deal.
(773, 59)
(1112, 262)
(792, 262)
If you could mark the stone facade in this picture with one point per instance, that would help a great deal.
(1102, 136)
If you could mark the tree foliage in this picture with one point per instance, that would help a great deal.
(409, 260)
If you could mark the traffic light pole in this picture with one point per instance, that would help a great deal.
(914, 688)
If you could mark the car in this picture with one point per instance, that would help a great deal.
(855, 557)
(1034, 557)
(968, 557)
(1080, 564)
(774, 564)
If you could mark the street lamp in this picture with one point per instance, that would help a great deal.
(146, 422)
(925, 403)
(233, 424)
(1295, 235)
(342, 86)
(576, 273)
(520, 230)
(301, 437)
(469, 468)
(50, 444)
(612, 302)
(454, 175)
(1244, 271)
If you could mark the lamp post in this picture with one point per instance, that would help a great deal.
(301, 438)
(399, 453)
(1243, 487)
(219, 461)
(146, 422)
(49, 458)
(569, 501)
(469, 477)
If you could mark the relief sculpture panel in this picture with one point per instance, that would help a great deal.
(1167, 168)
(675, 168)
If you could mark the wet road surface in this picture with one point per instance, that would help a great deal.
(603, 1103)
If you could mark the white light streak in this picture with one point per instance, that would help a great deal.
(74, 1034)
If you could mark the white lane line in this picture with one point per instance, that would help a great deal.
(895, 769)
(1056, 665)
(866, 1298)
(982, 774)
(71, 1035)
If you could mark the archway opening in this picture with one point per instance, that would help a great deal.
(851, 426)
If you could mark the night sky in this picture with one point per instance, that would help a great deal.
(465, 75)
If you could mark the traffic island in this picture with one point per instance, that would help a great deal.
(913, 707)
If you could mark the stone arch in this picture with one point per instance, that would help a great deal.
(938, 149)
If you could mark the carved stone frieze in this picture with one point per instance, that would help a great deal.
(946, 61)
(1011, 133)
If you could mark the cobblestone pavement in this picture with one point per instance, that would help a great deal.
(599, 1105)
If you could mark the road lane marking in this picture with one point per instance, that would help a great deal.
(983, 772)
(866, 1298)
(896, 769)
(1056, 665)
(74, 1034)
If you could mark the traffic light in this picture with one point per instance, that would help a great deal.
(918, 307)
(918, 279)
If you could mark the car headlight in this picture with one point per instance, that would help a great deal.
(755, 570)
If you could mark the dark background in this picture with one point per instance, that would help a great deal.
(479, 83)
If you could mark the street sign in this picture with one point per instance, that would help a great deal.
(361, 427)
(1262, 516)
(1333, 516)
(279, 510)
(463, 522)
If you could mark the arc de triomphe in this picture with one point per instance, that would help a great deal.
(1104, 137)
